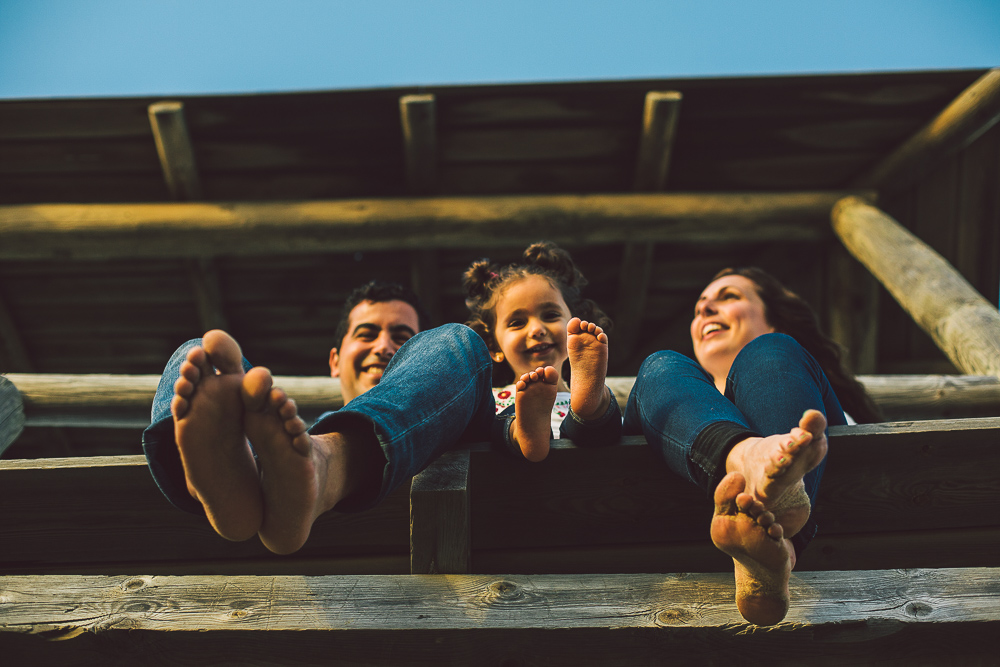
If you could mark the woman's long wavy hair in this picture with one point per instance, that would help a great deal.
(484, 282)
(789, 314)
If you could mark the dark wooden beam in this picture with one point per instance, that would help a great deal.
(633, 287)
(853, 313)
(173, 145)
(425, 276)
(890, 617)
(10, 338)
(659, 126)
(440, 542)
(964, 325)
(204, 276)
(48, 231)
(963, 121)
(418, 117)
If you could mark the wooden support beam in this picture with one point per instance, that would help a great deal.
(102, 231)
(173, 145)
(853, 313)
(204, 276)
(10, 339)
(425, 276)
(889, 617)
(964, 325)
(440, 542)
(417, 113)
(659, 126)
(11, 414)
(963, 121)
(633, 287)
(122, 401)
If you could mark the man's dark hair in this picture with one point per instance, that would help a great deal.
(377, 291)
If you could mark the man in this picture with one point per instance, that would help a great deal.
(211, 405)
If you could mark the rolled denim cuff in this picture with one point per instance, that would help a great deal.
(605, 429)
(164, 461)
(500, 434)
(707, 458)
(802, 538)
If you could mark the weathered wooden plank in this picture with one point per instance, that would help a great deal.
(189, 229)
(173, 145)
(123, 400)
(419, 121)
(109, 510)
(962, 323)
(11, 413)
(439, 517)
(659, 125)
(971, 114)
(887, 617)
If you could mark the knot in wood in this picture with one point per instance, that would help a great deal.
(917, 609)
(673, 616)
(133, 584)
(237, 614)
(505, 590)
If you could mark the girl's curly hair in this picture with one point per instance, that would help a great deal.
(484, 282)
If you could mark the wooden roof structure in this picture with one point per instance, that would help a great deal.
(130, 225)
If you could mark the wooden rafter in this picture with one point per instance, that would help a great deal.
(173, 144)
(417, 114)
(973, 112)
(204, 276)
(659, 126)
(45, 231)
(964, 325)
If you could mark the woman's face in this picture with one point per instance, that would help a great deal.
(729, 314)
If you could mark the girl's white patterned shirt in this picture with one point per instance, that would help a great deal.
(504, 397)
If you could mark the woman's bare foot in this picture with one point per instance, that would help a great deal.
(762, 558)
(532, 425)
(587, 345)
(774, 467)
(302, 476)
(208, 426)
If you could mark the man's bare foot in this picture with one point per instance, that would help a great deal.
(587, 345)
(208, 426)
(762, 558)
(302, 476)
(532, 425)
(774, 467)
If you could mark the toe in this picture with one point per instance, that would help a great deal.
(223, 350)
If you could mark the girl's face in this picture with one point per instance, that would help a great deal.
(531, 317)
(729, 314)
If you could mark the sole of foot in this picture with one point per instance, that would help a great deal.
(219, 467)
(762, 558)
(532, 426)
(587, 345)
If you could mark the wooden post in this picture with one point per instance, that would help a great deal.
(10, 339)
(973, 112)
(11, 414)
(853, 297)
(204, 277)
(962, 323)
(659, 126)
(173, 144)
(633, 287)
(417, 113)
(440, 540)
(425, 276)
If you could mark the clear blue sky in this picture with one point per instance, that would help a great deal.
(70, 48)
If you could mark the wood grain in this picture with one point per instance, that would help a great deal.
(440, 540)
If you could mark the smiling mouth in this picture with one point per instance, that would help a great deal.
(711, 328)
(540, 349)
(374, 372)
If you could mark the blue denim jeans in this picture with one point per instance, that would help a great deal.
(677, 407)
(434, 394)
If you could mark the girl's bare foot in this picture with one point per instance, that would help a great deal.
(302, 476)
(219, 467)
(532, 425)
(773, 468)
(762, 558)
(587, 345)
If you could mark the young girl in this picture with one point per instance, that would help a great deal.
(533, 319)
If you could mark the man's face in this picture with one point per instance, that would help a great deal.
(375, 331)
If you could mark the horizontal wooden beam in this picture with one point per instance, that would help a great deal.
(123, 401)
(963, 324)
(971, 114)
(890, 617)
(59, 231)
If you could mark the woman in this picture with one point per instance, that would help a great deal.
(747, 423)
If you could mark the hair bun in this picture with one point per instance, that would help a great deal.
(477, 277)
(552, 258)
